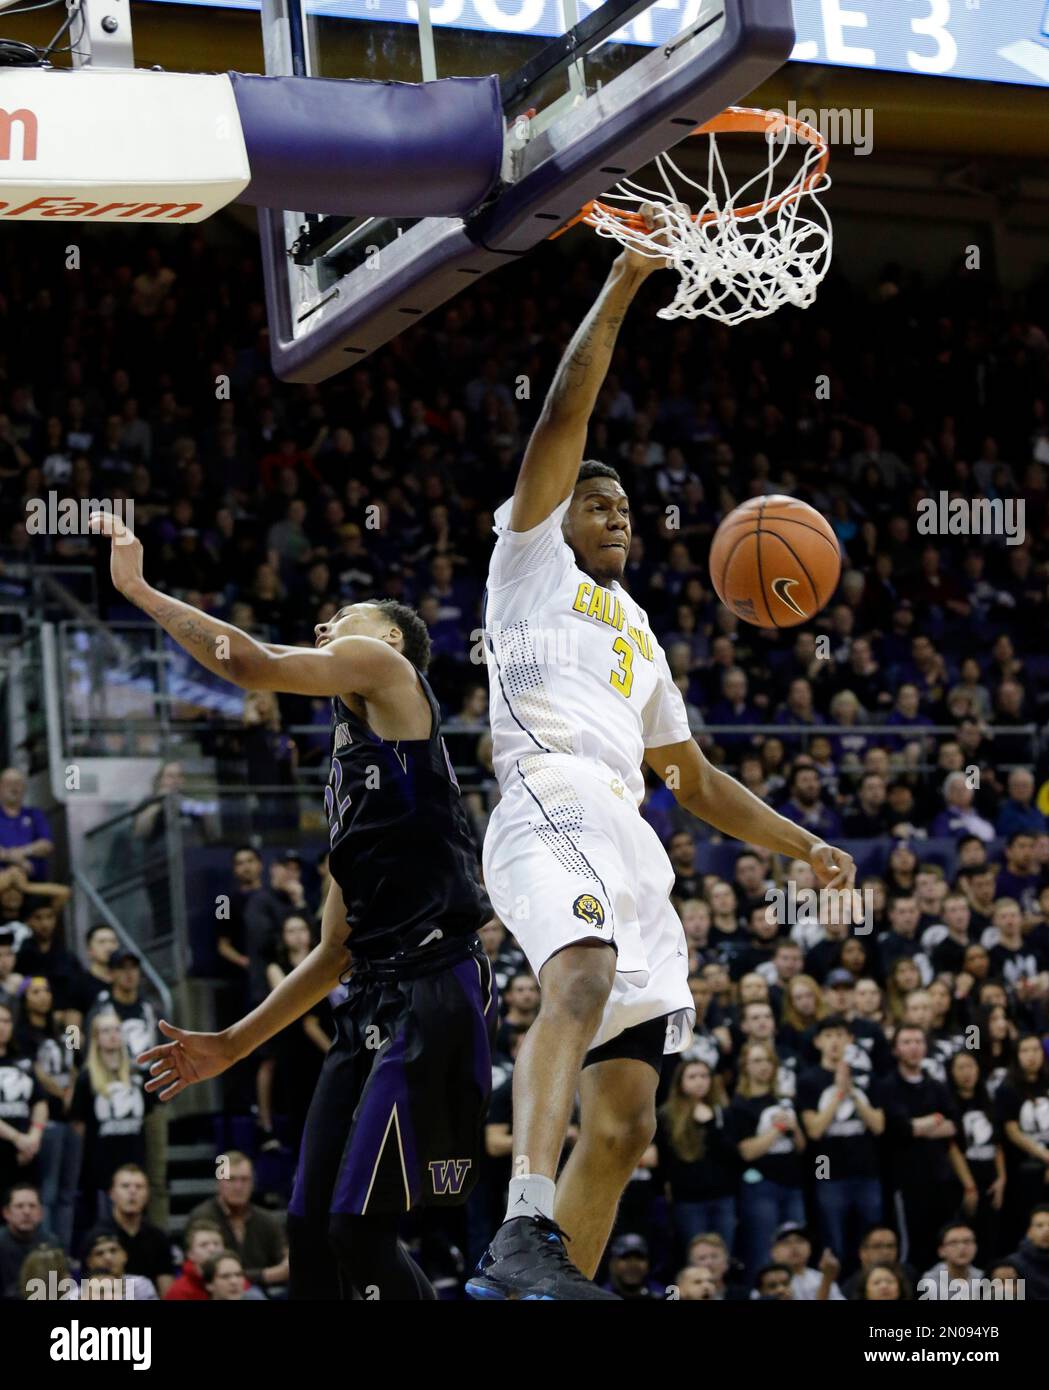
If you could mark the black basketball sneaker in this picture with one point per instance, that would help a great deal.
(527, 1260)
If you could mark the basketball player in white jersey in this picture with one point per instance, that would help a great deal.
(581, 696)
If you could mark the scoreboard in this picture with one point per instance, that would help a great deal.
(989, 40)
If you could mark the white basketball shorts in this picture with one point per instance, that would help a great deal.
(568, 856)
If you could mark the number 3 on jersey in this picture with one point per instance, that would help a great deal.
(335, 804)
(623, 679)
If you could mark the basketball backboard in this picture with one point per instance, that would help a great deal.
(589, 91)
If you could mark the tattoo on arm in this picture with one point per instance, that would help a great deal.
(586, 361)
(188, 630)
(573, 370)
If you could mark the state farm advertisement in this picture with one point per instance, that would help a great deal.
(109, 146)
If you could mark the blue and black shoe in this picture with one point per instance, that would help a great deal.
(527, 1260)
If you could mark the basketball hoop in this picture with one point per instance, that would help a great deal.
(741, 254)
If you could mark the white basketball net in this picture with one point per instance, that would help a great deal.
(740, 255)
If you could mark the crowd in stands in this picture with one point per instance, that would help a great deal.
(865, 1105)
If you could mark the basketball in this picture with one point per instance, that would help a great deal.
(775, 562)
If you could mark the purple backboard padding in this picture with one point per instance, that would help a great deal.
(757, 40)
(381, 149)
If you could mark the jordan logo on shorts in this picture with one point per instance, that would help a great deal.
(589, 909)
(448, 1175)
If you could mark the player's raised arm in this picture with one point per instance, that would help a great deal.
(728, 806)
(351, 664)
(555, 450)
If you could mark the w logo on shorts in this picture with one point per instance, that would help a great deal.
(589, 909)
(448, 1175)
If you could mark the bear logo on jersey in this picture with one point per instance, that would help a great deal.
(589, 909)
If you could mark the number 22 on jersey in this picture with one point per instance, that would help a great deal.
(335, 804)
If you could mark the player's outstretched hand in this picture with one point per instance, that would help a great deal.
(125, 561)
(190, 1057)
(833, 867)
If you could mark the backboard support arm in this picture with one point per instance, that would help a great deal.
(100, 33)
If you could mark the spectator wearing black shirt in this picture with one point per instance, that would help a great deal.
(904, 978)
(998, 1036)
(751, 882)
(869, 818)
(302, 1046)
(23, 1109)
(759, 945)
(803, 1007)
(24, 1230)
(946, 943)
(488, 1202)
(503, 952)
(842, 1124)
(981, 1142)
(927, 1169)
(234, 962)
(930, 889)
(42, 955)
(1022, 1104)
(138, 1027)
(138, 1017)
(520, 1005)
(100, 945)
(38, 1038)
(264, 915)
(976, 969)
(787, 961)
(825, 955)
(108, 1111)
(681, 850)
(709, 1044)
(698, 1167)
(902, 938)
(1031, 1260)
(946, 1032)
(879, 1246)
(978, 884)
(1020, 964)
(10, 980)
(149, 1252)
(769, 1141)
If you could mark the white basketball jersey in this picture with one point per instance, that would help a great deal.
(574, 667)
